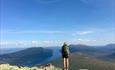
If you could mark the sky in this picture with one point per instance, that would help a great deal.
(25, 23)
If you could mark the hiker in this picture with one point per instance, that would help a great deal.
(65, 56)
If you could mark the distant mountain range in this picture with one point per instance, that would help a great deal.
(90, 57)
(109, 47)
(82, 61)
(9, 50)
(100, 52)
(27, 57)
(112, 56)
(82, 56)
(79, 47)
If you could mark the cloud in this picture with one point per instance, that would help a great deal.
(45, 32)
(30, 32)
(82, 33)
(93, 41)
(31, 43)
(5, 43)
(47, 43)
(85, 40)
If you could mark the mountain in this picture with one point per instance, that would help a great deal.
(88, 50)
(82, 61)
(81, 57)
(112, 55)
(109, 47)
(82, 48)
(27, 57)
(77, 62)
(9, 50)
(104, 53)
(89, 57)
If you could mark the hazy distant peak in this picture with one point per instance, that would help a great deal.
(79, 45)
(112, 44)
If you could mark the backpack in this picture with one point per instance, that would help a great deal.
(65, 49)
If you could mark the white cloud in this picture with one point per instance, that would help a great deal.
(80, 39)
(74, 33)
(30, 43)
(82, 33)
(47, 43)
(84, 40)
(29, 32)
(7, 43)
(93, 41)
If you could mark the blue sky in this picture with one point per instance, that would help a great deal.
(51, 22)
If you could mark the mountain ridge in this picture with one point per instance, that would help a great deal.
(27, 56)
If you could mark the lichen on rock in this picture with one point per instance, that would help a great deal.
(44, 67)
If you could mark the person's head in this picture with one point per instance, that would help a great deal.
(65, 43)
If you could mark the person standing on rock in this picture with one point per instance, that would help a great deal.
(65, 56)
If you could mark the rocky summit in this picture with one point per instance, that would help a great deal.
(43, 67)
